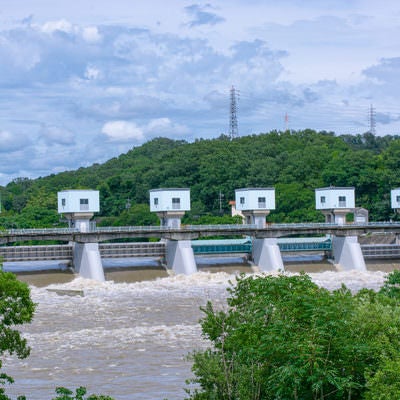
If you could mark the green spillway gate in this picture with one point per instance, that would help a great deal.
(306, 246)
(220, 247)
(245, 246)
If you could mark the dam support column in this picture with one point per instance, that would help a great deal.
(180, 257)
(87, 261)
(267, 255)
(347, 253)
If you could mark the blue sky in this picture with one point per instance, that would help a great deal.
(82, 82)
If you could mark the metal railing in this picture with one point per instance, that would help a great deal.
(38, 231)
(196, 228)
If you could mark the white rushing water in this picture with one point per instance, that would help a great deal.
(127, 340)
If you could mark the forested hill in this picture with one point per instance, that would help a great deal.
(295, 163)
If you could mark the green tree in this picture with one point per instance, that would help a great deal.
(16, 308)
(385, 383)
(80, 394)
(286, 338)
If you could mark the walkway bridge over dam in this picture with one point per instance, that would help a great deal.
(180, 245)
(190, 232)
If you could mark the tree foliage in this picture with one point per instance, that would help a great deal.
(286, 338)
(294, 162)
(16, 308)
(80, 394)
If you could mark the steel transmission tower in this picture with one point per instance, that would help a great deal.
(371, 120)
(233, 124)
(286, 122)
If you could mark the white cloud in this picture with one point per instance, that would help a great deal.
(125, 131)
(91, 34)
(56, 135)
(165, 127)
(202, 15)
(122, 131)
(61, 25)
(20, 55)
(10, 142)
(92, 73)
(159, 123)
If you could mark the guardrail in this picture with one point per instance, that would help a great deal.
(195, 231)
(225, 227)
(157, 228)
(38, 231)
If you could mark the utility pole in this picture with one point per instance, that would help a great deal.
(233, 123)
(221, 196)
(371, 120)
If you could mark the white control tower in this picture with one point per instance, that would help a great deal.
(78, 207)
(255, 204)
(335, 203)
(170, 205)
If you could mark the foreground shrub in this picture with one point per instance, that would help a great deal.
(286, 338)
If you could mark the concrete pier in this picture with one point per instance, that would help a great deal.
(87, 261)
(347, 253)
(180, 257)
(266, 255)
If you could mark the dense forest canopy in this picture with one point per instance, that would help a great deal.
(294, 162)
